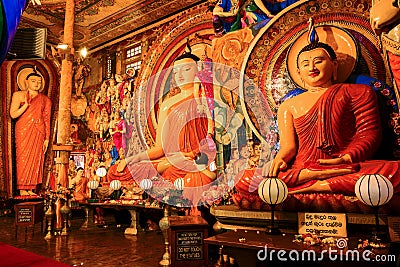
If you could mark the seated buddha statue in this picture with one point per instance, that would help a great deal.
(181, 137)
(328, 134)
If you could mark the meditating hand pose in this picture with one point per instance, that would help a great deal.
(79, 183)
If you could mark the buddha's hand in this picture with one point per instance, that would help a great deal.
(326, 168)
(130, 160)
(277, 165)
(266, 168)
(345, 159)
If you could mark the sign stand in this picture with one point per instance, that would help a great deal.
(27, 214)
(187, 234)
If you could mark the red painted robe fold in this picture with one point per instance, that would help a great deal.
(31, 130)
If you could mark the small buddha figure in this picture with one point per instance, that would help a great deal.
(79, 183)
(255, 153)
(71, 169)
(102, 124)
(113, 95)
(102, 100)
(108, 160)
(91, 113)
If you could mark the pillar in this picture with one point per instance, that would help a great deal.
(64, 108)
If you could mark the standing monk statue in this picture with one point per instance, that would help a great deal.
(32, 110)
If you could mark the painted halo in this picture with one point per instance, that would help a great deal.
(339, 39)
(154, 79)
(21, 78)
(265, 62)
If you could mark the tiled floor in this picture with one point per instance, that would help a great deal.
(93, 247)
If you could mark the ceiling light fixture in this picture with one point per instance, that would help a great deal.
(62, 46)
(83, 52)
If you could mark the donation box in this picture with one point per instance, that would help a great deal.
(187, 234)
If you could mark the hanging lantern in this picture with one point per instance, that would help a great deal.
(272, 191)
(101, 172)
(179, 183)
(93, 185)
(146, 184)
(115, 184)
(373, 189)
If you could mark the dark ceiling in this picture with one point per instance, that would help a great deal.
(97, 22)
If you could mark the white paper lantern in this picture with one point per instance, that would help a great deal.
(146, 184)
(101, 172)
(115, 184)
(272, 191)
(93, 185)
(179, 183)
(373, 189)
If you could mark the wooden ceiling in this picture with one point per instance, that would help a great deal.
(97, 22)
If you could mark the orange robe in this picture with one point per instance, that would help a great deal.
(81, 192)
(31, 130)
(185, 130)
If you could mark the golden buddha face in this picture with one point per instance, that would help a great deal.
(34, 83)
(184, 72)
(316, 68)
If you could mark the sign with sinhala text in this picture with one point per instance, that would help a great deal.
(324, 224)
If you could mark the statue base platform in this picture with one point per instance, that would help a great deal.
(232, 217)
(316, 202)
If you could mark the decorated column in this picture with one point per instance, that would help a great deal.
(64, 115)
